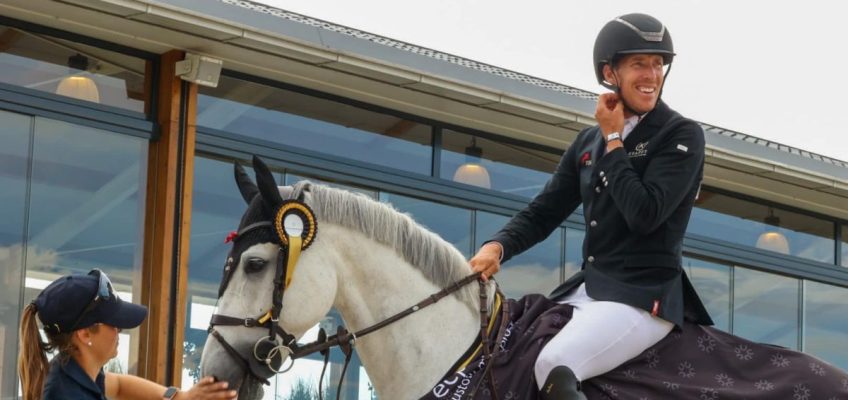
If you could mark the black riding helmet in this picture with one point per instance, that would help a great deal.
(631, 34)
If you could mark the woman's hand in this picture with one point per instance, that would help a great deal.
(207, 388)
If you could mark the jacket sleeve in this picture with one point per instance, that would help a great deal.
(559, 198)
(646, 202)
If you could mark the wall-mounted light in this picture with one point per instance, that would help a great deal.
(473, 172)
(772, 239)
(202, 70)
(77, 85)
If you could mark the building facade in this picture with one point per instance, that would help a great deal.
(109, 160)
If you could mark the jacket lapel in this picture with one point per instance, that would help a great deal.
(644, 130)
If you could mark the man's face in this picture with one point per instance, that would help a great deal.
(640, 77)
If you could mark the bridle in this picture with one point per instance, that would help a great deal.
(294, 227)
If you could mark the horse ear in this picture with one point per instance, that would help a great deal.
(246, 186)
(266, 183)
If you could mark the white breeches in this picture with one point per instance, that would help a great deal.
(600, 336)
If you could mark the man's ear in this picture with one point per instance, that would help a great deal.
(609, 76)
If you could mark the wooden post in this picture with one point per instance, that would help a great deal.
(167, 226)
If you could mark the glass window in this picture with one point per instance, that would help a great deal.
(712, 282)
(14, 161)
(825, 326)
(451, 223)
(536, 270)
(749, 223)
(291, 179)
(84, 209)
(573, 251)
(765, 307)
(72, 69)
(844, 244)
(495, 165)
(298, 120)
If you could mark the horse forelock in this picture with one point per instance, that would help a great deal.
(440, 262)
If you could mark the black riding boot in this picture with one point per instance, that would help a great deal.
(561, 385)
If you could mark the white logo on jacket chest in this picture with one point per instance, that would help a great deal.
(641, 150)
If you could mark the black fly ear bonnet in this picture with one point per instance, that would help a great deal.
(267, 216)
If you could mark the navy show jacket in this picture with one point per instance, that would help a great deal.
(636, 203)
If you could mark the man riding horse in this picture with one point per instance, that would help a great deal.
(637, 174)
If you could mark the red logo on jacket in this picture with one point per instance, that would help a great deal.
(586, 159)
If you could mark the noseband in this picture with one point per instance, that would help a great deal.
(295, 226)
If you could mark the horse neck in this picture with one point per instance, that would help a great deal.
(409, 356)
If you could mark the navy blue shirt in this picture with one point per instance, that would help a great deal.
(69, 381)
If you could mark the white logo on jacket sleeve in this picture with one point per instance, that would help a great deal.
(682, 148)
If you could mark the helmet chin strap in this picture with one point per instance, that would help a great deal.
(627, 107)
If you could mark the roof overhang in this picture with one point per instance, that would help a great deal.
(327, 61)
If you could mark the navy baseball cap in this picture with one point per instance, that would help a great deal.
(78, 301)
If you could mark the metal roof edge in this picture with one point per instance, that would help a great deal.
(337, 43)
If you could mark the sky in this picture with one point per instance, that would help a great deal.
(770, 69)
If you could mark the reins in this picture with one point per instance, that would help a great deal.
(351, 337)
(346, 340)
(294, 228)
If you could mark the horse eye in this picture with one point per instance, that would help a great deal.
(254, 264)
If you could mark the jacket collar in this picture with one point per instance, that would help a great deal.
(649, 125)
(75, 372)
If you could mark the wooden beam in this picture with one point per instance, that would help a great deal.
(166, 229)
(185, 241)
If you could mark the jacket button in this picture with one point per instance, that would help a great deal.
(597, 189)
(593, 223)
(601, 174)
(590, 259)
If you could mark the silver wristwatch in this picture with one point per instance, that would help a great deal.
(613, 136)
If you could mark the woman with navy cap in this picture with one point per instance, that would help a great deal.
(82, 317)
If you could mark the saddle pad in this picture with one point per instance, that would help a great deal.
(695, 362)
(533, 320)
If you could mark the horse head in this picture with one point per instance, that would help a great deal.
(369, 261)
(251, 344)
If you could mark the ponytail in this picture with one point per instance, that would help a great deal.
(32, 360)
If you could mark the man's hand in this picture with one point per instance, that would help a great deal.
(610, 114)
(487, 260)
(207, 388)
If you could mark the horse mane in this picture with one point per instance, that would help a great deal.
(438, 260)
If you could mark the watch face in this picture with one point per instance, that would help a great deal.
(170, 393)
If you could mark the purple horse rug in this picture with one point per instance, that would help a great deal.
(696, 362)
